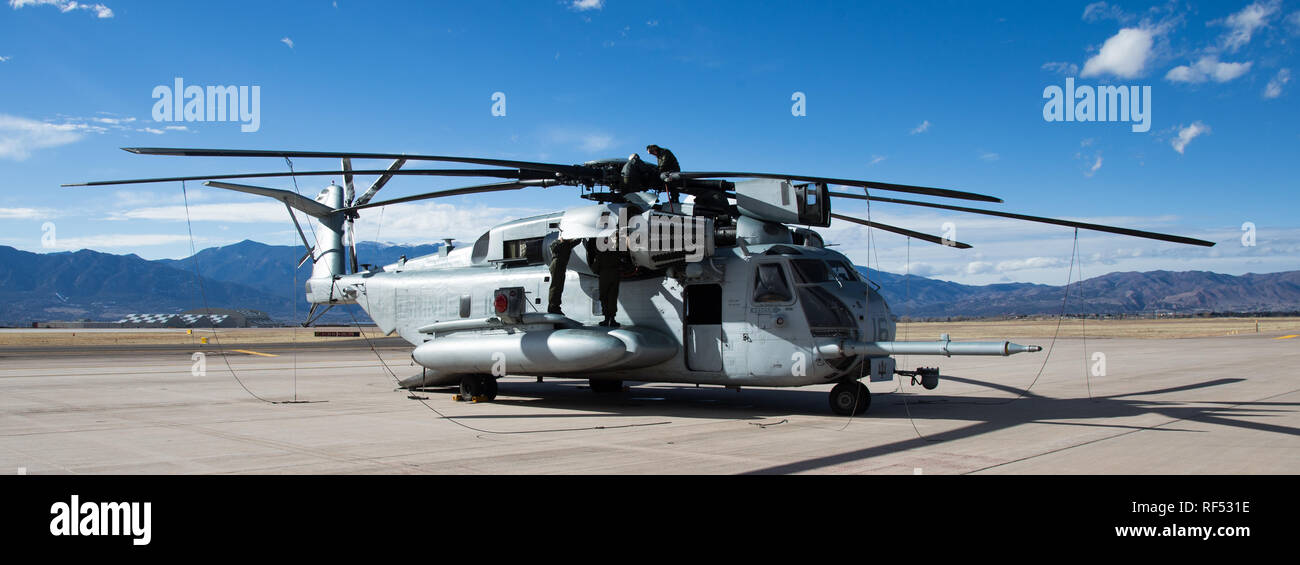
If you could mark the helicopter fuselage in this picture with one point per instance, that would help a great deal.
(750, 316)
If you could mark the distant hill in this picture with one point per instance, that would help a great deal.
(102, 286)
(270, 268)
(1114, 293)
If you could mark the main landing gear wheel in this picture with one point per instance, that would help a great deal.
(478, 387)
(604, 386)
(847, 396)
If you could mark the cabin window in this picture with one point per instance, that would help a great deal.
(770, 284)
(523, 252)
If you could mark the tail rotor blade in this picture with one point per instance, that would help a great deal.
(380, 182)
(352, 246)
(349, 189)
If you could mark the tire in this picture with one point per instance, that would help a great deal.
(850, 398)
(478, 386)
(470, 387)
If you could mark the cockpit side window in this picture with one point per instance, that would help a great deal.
(770, 284)
(807, 271)
(843, 271)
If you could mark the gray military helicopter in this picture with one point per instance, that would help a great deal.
(725, 290)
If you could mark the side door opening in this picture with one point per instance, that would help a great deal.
(703, 331)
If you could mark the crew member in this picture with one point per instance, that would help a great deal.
(667, 164)
(608, 265)
(560, 250)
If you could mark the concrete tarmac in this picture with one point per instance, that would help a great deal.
(1182, 406)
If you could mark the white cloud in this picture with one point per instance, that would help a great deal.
(1243, 25)
(24, 214)
(584, 5)
(1061, 67)
(428, 222)
(121, 240)
(1124, 55)
(20, 136)
(235, 212)
(1012, 265)
(113, 121)
(287, 41)
(4, 59)
(876, 159)
(1274, 88)
(1096, 166)
(588, 141)
(1207, 68)
(101, 11)
(1187, 134)
(922, 128)
(1098, 11)
(990, 156)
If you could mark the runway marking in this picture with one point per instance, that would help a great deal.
(1288, 336)
(253, 353)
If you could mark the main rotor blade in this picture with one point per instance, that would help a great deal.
(494, 187)
(575, 170)
(498, 173)
(946, 193)
(903, 231)
(380, 182)
(307, 205)
(1040, 219)
(352, 244)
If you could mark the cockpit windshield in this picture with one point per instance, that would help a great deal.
(811, 271)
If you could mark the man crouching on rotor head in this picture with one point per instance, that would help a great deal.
(667, 164)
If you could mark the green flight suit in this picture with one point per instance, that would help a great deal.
(560, 251)
(609, 269)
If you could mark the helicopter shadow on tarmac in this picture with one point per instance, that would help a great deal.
(986, 413)
(992, 414)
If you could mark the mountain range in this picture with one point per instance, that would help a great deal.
(105, 287)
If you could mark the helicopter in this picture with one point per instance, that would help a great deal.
(731, 288)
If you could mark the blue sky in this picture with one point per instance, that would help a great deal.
(936, 94)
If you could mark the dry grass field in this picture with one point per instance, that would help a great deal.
(1130, 328)
(917, 331)
(234, 336)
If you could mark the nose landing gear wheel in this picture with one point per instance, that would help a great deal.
(848, 398)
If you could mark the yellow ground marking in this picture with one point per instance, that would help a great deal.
(1288, 336)
(253, 353)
